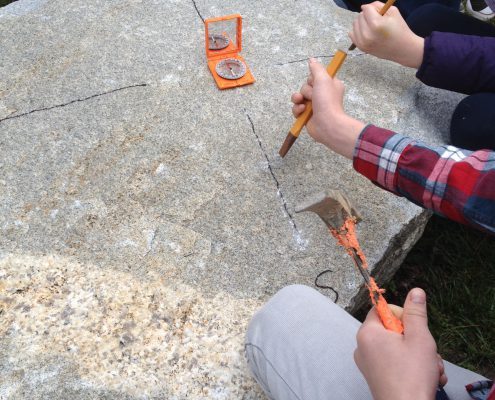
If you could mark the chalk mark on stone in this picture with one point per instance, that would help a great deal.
(72, 102)
(307, 58)
(151, 241)
(197, 10)
(274, 177)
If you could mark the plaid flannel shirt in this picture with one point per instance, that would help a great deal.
(452, 182)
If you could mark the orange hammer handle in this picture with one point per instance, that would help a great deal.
(389, 320)
(332, 69)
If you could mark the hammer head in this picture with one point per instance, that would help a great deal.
(332, 207)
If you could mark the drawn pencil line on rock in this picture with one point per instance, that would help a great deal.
(326, 56)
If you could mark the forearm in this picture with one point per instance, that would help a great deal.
(455, 183)
(343, 135)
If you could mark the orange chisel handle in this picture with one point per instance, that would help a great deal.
(389, 320)
(332, 69)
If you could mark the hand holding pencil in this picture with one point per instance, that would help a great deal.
(387, 36)
(332, 70)
(329, 125)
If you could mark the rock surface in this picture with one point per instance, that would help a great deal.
(145, 215)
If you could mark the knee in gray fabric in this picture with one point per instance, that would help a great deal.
(292, 291)
(266, 326)
(270, 315)
(284, 296)
(257, 365)
(270, 311)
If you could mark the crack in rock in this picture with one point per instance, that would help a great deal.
(72, 102)
(274, 177)
(197, 10)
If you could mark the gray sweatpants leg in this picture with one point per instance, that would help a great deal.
(300, 346)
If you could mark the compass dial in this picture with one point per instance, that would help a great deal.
(218, 42)
(231, 68)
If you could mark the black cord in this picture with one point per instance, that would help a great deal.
(326, 287)
(196, 7)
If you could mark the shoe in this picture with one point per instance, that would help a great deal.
(478, 9)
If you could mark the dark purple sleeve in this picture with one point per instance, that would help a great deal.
(460, 63)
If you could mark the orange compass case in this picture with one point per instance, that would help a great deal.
(231, 51)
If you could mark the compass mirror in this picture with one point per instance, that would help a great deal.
(223, 36)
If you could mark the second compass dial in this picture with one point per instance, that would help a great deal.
(218, 42)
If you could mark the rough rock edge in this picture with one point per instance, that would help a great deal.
(392, 258)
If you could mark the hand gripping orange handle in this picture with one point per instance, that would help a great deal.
(332, 69)
(389, 320)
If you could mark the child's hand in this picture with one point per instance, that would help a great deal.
(387, 36)
(400, 366)
(329, 125)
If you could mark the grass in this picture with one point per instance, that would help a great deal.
(5, 2)
(456, 267)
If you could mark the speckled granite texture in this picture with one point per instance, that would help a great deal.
(79, 327)
(145, 215)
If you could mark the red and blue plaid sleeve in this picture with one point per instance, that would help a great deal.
(481, 390)
(452, 182)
